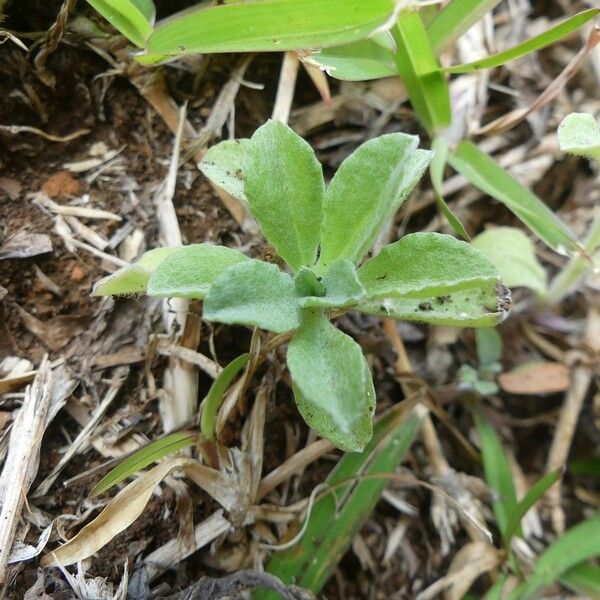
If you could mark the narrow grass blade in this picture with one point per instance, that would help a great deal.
(436, 172)
(497, 469)
(335, 518)
(418, 67)
(583, 579)
(538, 42)
(578, 544)
(270, 25)
(128, 17)
(483, 172)
(515, 514)
(215, 394)
(144, 457)
(456, 17)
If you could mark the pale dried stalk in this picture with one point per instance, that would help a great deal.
(43, 399)
(178, 406)
(286, 87)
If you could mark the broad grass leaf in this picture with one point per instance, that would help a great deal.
(341, 287)
(483, 172)
(454, 19)
(189, 271)
(578, 544)
(513, 253)
(213, 399)
(496, 467)
(147, 8)
(337, 517)
(224, 164)
(284, 187)
(254, 293)
(332, 383)
(419, 70)
(550, 36)
(132, 18)
(145, 456)
(132, 279)
(516, 513)
(270, 25)
(579, 134)
(584, 579)
(359, 61)
(366, 192)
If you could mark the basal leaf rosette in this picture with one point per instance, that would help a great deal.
(323, 233)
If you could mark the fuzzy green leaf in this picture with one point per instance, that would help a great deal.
(133, 279)
(189, 271)
(224, 164)
(483, 172)
(129, 17)
(578, 134)
(359, 61)
(513, 254)
(284, 186)
(365, 193)
(434, 278)
(254, 293)
(269, 25)
(422, 265)
(332, 383)
(341, 287)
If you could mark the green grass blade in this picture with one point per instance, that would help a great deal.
(456, 17)
(127, 17)
(578, 544)
(497, 469)
(359, 61)
(419, 70)
(270, 25)
(538, 42)
(538, 489)
(436, 172)
(147, 8)
(144, 457)
(583, 579)
(336, 517)
(483, 172)
(215, 394)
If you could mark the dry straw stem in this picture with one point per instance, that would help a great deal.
(181, 377)
(43, 399)
(286, 87)
(581, 379)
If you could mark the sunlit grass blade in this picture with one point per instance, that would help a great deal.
(583, 579)
(538, 42)
(419, 70)
(269, 25)
(483, 172)
(337, 516)
(214, 397)
(497, 469)
(144, 457)
(128, 17)
(436, 172)
(454, 19)
(578, 544)
(538, 489)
